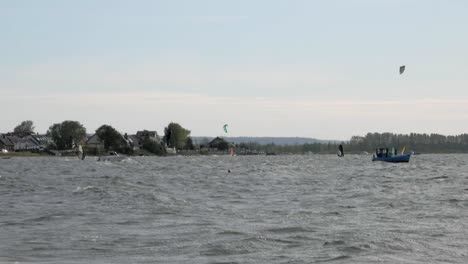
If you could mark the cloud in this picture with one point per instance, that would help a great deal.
(185, 73)
(257, 98)
(163, 74)
(249, 116)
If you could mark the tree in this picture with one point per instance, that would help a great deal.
(153, 146)
(111, 138)
(24, 129)
(189, 144)
(66, 133)
(175, 136)
(150, 143)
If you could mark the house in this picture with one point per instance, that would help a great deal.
(13, 142)
(26, 143)
(171, 151)
(135, 142)
(95, 143)
(132, 141)
(42, 140)
(219, 144)
(5, 143)
(153, 135)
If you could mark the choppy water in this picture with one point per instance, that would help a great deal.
(274, 209)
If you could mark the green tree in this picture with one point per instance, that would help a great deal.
(175, 136)
(189, 144)
(24, 129)
(110, 137)
(153, 146)
(65, 133)
(150, 144)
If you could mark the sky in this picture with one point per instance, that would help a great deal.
(322, 69)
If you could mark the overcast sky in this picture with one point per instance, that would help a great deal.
(324, 69)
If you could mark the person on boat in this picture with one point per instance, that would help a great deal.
(390, 153)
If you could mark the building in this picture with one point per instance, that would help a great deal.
(152, 135)
(5, 143)
(13, 142)
(95, 143)
(219, 144)
(132, 141)
(135, 142)
(42, 140)
(171, 151)
(27, 143)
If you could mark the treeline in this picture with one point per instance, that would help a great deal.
(424, 143)
(419, 143)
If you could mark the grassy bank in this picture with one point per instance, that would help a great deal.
(22, 154)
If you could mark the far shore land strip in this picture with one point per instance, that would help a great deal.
(63, 139)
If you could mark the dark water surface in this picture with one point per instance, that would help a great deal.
(270, 209)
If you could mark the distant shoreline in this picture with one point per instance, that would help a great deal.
(37, 155)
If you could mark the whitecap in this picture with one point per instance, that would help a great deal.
(79, 188)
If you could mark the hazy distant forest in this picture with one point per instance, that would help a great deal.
(419, 143)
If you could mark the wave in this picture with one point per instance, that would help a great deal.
(89, 187)
(231, 233)
(342, 257)
(220, 250)
(334, 243)
(288, 230)
(438, 178)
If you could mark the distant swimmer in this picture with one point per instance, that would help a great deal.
(229, 171)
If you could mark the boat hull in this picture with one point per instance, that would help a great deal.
(394, 159)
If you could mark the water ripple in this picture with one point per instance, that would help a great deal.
(274, 209)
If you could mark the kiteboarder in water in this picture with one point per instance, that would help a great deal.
(340, 151)
(231, 146)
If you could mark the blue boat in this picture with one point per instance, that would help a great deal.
(398, 158)
(383, 154)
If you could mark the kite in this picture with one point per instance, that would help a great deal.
(402, 69)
